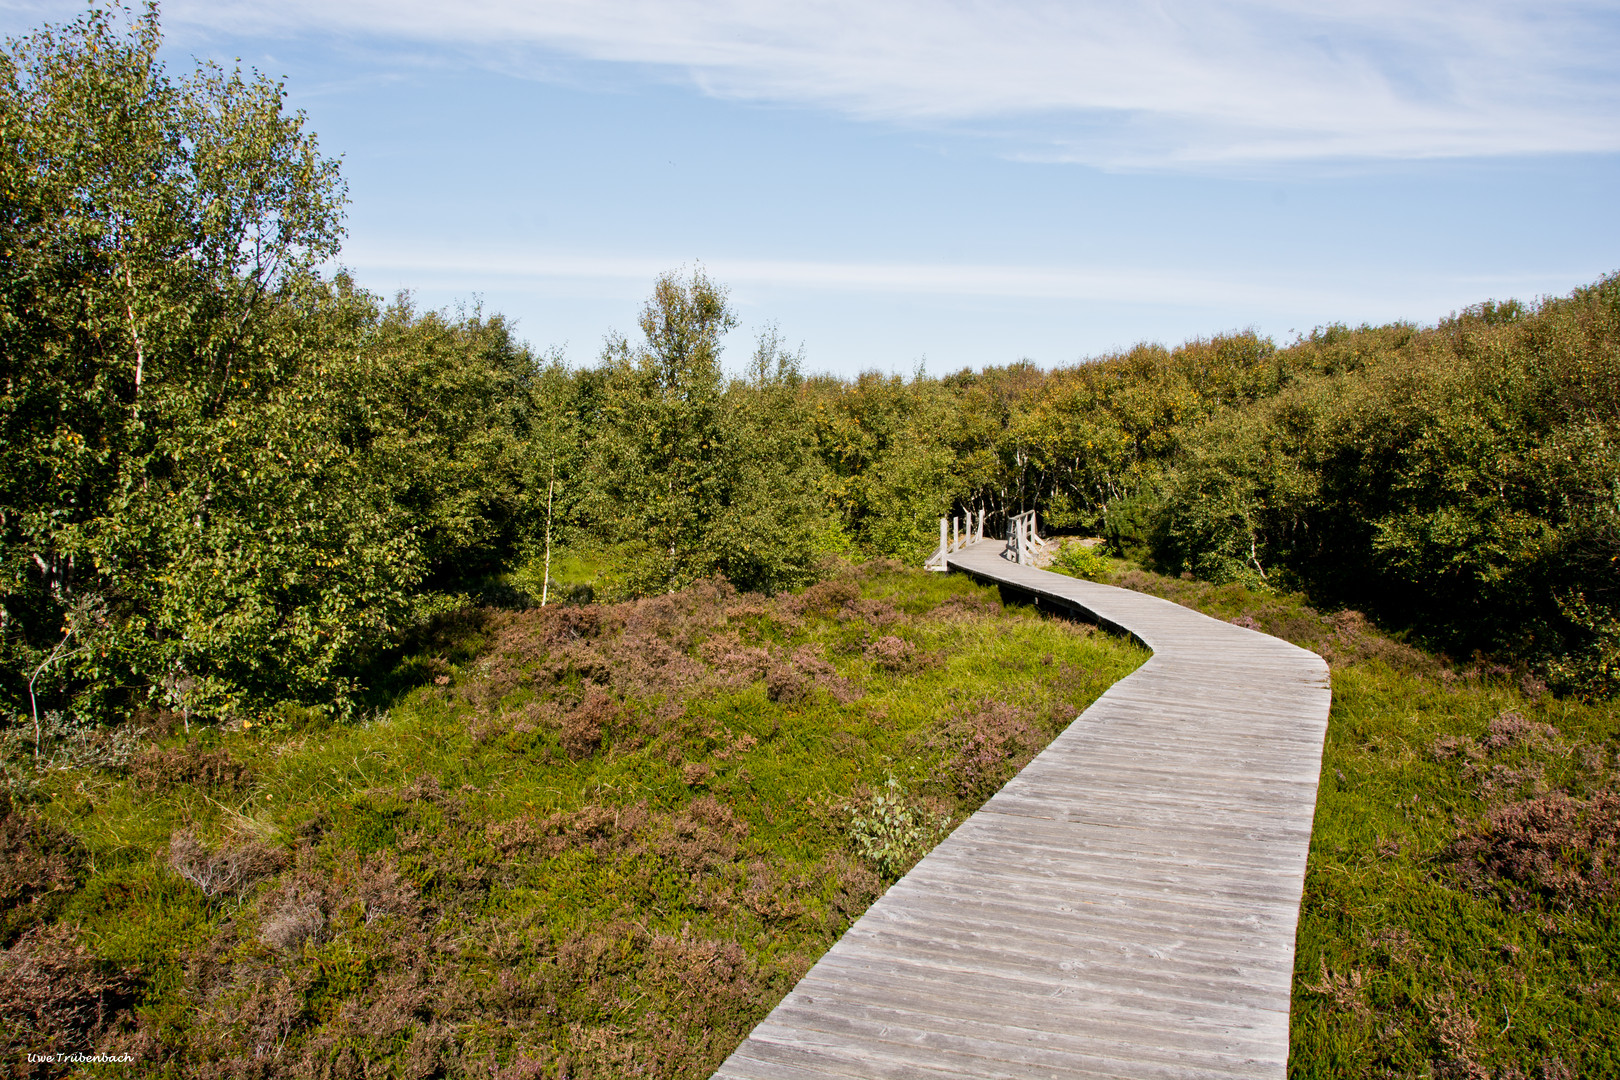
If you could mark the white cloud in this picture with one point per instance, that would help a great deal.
(936, 279)
(1177, 82)
(632, 276)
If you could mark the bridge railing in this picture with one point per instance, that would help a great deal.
(1022, 540)
(952, 537)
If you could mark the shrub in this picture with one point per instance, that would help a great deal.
(1552, 848)
(985, 744)
(891, 832)
(295, 918)
(56, 998)
(233, 867)
(1457, 481)
(785, 685)
(582, 729)
(891, 653)
(1081, 561)
(186, 766)
(40, 865)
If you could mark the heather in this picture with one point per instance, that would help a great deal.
(584, 840)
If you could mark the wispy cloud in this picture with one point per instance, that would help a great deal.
(632, 275)
(1178, 83)
(1188, 83)
(638, 272)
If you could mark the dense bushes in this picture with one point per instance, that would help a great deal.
(165, 440)
(230, 481)
(694, 475)
(1464, 481)
(226, 480)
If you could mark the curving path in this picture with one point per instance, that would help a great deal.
(1124, 907)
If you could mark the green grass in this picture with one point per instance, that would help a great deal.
(572, 569)
(1431, 943)
(590, 841)
(1403, 964)
(608, 848)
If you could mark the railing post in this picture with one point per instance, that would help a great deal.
(1020, 533)
(1021, 538)
(937, 561)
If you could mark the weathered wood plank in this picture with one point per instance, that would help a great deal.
(1123, 908)
(1113, 1012)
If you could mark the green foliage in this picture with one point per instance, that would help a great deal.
(453, 407)
(891, 832)
(1594, 666)
(695, 476)
(226, 481)
(657, 476)
(155, 309)
(893, 471)
(1088, 446)
(1460, 480)
(777, 527)
(1081, 561)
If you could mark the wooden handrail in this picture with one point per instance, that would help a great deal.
(953, 537)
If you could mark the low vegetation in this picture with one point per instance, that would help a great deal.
(1461, 899)
(604, 840)
(590, 841)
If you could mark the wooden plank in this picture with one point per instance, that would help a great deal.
(1103, 964)
(1112, 1009)
(1124, 908)
(1001, 1043)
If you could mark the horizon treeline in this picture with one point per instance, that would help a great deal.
(232, 482)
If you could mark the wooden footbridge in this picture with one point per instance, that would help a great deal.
(1124, 907)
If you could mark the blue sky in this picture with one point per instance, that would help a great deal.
(951, 183)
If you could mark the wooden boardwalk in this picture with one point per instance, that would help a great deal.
(1124, 907)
